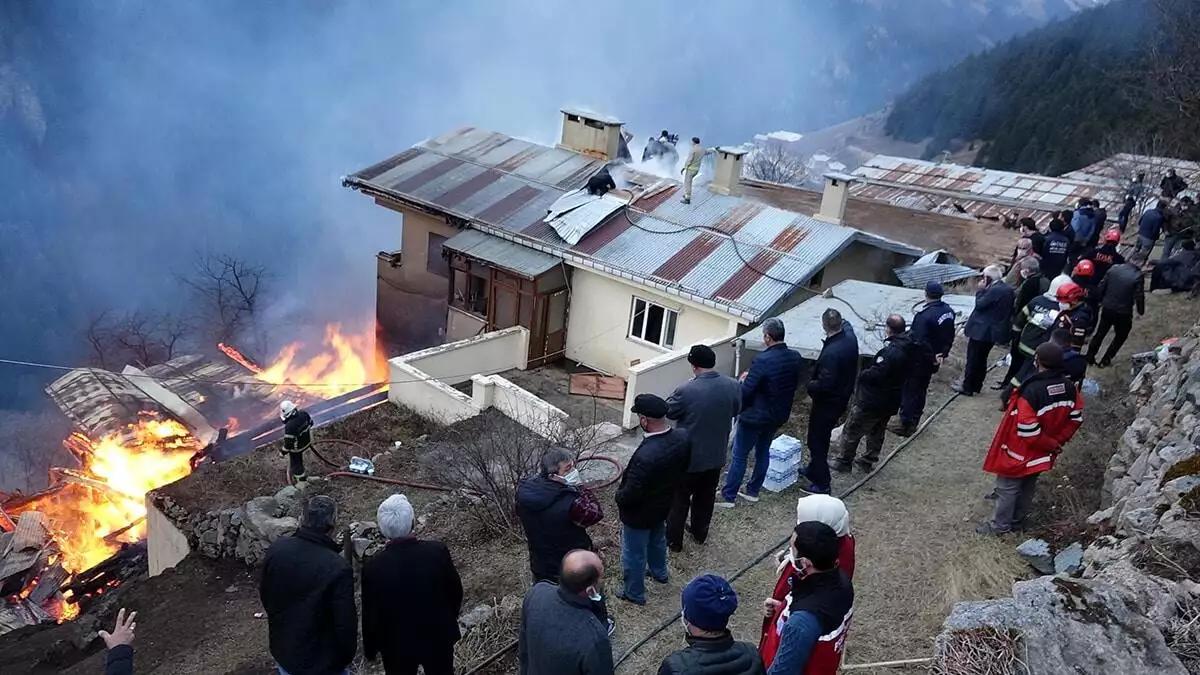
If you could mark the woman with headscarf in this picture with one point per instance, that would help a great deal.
(822, 509)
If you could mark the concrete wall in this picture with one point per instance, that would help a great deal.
(865, 263)
(166, 545)
(423, 394)
(456, 362)
(531, 412)
(461, 325)
(598, 323)
(407, 319)
(663, 374)
(415, 248)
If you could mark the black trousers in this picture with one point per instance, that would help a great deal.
(1121, 325)
(296, 463)
(1016, 359)
(436, 659)
(977, 362)
(821, 423)
(695, 492)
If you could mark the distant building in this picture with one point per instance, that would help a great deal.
(501, 227)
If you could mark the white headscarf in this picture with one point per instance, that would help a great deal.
(822, 509)
(1055, 283)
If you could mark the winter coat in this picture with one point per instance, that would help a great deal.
(1028, 290)
(1172, 186)
(1084, 223)
(713, 656)
(544, 508)
(409, 573)
(1042, 415)
(1151, 223)
(561, 635)
(832, 383)
(119, 660)
(1176, 273)
(770, 387)
(811, 629)
(705, 406)
(769, 642)
(880, 384)
(1042, 317)
(648, 484)
(1123, 288)
(307, 590)
(933, 331)
(1054, 254)
(991, 321)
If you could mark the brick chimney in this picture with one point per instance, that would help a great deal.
(833, 198)
(727, 179)
(591, 134)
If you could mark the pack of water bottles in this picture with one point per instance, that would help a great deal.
(786, 454)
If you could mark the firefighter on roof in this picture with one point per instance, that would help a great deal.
(297, 437)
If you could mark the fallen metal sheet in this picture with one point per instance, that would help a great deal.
(17, 562)
(48, 584)
(30, 532)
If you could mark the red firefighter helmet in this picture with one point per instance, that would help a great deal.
(1071, 293)
(1112, 236)
(1085, 268)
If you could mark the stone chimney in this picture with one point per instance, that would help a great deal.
(833, 199)
(591, 134)
(727, 179)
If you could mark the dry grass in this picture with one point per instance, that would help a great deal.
(1183, 634)
(980, 651)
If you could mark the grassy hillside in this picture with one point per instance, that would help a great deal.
(1059, 97)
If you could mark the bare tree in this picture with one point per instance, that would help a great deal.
(138, 338)
(31, 443)
(774, 164)
(1175, 64)
(229, 296)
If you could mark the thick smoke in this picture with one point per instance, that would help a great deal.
(134, 134)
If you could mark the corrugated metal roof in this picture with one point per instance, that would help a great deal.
(504, 254)
(916, 276)
(729, 253)
(1121, 168)
(982, 192)
(583, 214)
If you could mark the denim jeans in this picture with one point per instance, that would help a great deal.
(747, 437)
(641, 549)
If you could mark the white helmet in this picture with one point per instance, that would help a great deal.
(286, 409)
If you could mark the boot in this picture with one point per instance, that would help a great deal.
(901, 428)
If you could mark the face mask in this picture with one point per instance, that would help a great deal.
(684, 625)
(572, 477)
(1064, 306)
(594, 594)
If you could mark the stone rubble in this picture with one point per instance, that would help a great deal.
(1137, 577)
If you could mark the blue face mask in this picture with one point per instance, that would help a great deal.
(594, 595)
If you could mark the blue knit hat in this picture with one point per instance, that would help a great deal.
(708, 602)
(934, 289)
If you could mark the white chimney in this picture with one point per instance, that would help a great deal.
(591, 134)
(833, 199)
(727, 179)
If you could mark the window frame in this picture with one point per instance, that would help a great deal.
(439, 264)
(668, 328)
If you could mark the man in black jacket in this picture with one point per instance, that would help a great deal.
(879, 388)
(1032, 285)
(644, 497)
(708, 602)
(989, 324)
(705, 407)
(119, 642)
(1029, 230)
(830, 389)
(307, 590)
(1121, 290)
(768, 390)
(1106, 255)
(1055, 249)
(555, 511)
(411, 597)
(932, 331)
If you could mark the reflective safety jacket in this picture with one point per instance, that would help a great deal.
(1041, 317)
(297, 432)
(1040, 418)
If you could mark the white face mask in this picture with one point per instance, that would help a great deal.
(572, 477)
(1064, 306)
(594, 594)
(683, 622)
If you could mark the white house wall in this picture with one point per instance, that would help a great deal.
(598, 324)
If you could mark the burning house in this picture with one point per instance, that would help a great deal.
(138, 430)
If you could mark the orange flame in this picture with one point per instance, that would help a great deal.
(118, 470)
(346, 363)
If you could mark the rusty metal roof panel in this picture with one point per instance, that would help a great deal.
(505, 152)
(543, 162)
(459, 142)
(402, 172)
(1121, 168)
(98, 401)
(571, 168)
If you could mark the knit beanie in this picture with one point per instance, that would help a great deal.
(708, 602)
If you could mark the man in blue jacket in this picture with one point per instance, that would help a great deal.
(768, 389)
(830, 389)
(933, 332)
(1150, 226)
(1083, 221)
(989, 325)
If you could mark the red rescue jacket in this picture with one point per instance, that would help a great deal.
(1041, 417)
(772, 629)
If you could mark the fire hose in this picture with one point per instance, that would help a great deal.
(759, 558)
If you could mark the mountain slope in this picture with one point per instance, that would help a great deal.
(1047, 101)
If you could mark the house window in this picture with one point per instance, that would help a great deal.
(435, 263)
(652, 323)
(469, 291)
